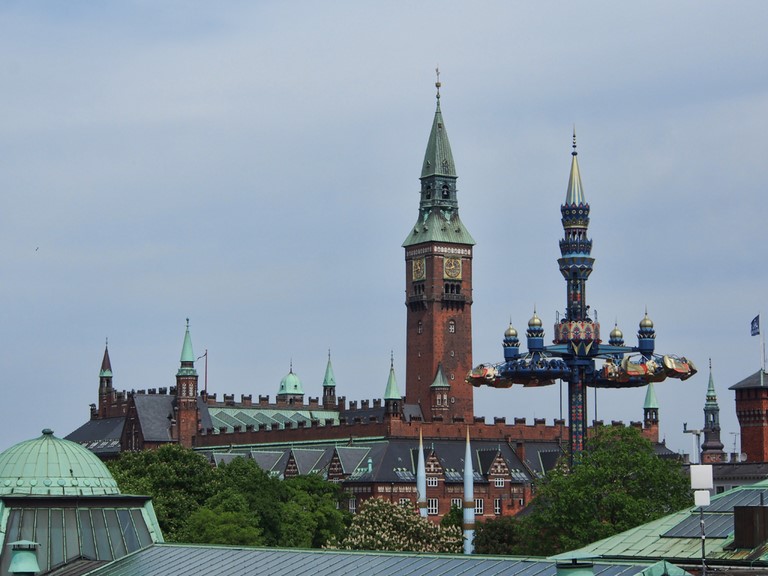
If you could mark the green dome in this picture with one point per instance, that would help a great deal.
(291, 384)
(52, 466)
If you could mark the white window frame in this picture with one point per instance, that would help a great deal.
(432, 482)
(498, 482)
(432, 506)
(405, 502)
(479, 506)
(353, 505)
(457, 502)
(497, 506)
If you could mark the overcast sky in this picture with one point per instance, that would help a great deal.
(254, 166)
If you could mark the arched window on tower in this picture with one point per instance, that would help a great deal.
(445, 190)
(419, 327)
(452, 327)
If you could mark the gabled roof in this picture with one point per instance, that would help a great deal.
(309, 460)
(275, 418)
(102, 437)
(155, 412)
(351, 457)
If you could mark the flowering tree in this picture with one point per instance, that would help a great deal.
(384, 525)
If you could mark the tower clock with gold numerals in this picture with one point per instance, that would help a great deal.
(419, 269)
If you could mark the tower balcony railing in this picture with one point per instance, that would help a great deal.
(454, 297)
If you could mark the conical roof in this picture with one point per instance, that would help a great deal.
(106, 365)
(329, 381)
(53, 466)
(392, 392)
(650, 398)
(440, 381)
(575, 193)
(187, 367)
(438, 159)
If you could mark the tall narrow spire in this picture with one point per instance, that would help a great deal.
(106, 365)
(712, 448)
(329, 380)
(575, 194)
(469, 500)
(438, 159)
(187, 367)
(421, 480)
(392, 392)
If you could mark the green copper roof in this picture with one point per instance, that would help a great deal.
(438, 159)
(187, 356)
(392, 392)
(440, 381)
(329, 381)
(650, 398)
(711, 394)
(290, 384)
(439, 226)
(575, 194)
(52, 466)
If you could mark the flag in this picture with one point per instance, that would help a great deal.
(755, 326)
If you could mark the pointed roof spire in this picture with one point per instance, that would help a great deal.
(440, 381)
(392, 392)
(187, 356)
(438, 159)
(575, 194)
(711, 394)
(329, 381)
(650, 398)
(106, 365)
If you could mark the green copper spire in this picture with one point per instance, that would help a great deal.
(106, 365)
(438, 208)
(575, 194)
(650, 398)
(329, 381)
(440, 380)
(392, 392)
(711, 394)
(187, 356)
(438, 159)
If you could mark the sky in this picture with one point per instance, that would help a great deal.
(253, 166)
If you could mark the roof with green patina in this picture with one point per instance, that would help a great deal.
(392, 391)
(52, 466)
(439, 226)
(677, 537)
(274, 418)
(438, 159)
(650, 398)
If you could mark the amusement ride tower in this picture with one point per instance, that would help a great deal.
(577, 345)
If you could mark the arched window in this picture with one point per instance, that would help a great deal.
(451, 327)
(419, 327)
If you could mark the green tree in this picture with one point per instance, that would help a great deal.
(320, 500)
(498, 536)
(454, 517)
(225, 519)
(384, 525)
(178, 480)
(617, 484)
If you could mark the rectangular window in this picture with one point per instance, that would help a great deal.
(432, 506)
(499, 482)
(405, 501)
(432, 481)
(353, 505)
(497, 506)
(457, 503)
(479, 507)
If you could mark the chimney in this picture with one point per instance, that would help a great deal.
(750, 526)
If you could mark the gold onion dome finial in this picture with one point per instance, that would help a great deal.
(535, 322)
(616, 334)
(510, 332)
(646, 322)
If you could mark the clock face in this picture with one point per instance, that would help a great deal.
(452, 268)
(419, 269)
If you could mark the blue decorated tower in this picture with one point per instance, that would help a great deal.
(577, 345)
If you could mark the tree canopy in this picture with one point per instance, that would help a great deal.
(237, 503)
(617, 484)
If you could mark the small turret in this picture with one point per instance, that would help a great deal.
(651, 413)
(186, 394)
(329, 386)
(106, 392)
(291, 389)
(712, 448)
(393, 401)
(535, 334)
(646, 336)
(439, 389)
(511, 343)
(616, 337)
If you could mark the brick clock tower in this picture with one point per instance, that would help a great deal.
(438, 286)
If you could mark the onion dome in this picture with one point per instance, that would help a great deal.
(616, 334)
(646, 322)
(510, 332)
(53, 466)
(290, 384)
(535, 322)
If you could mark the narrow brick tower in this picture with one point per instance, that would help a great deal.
(752, 412)
(712, 449)
(438, 286)
(186, 394)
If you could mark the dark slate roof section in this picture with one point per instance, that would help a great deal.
(752, 381)
(189, 560)
(486, 458)
(352, 457)
(268, 461)
(100, 436)
(743, 471)
(365, 414)
(308, 460)
(411, 412)
(204, 414)
(153, 411)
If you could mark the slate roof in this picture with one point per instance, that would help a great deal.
(677, 538)
(102, 437)
(752, 381)
(155, 412)
(189, 560)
